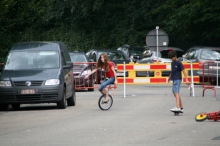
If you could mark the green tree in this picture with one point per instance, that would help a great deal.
(88, 24)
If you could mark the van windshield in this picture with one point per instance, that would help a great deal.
(20, 60)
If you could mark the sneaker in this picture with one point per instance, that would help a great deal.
(175, 109)
(105, 101)
(181, 110)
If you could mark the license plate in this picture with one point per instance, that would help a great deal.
(28, 91)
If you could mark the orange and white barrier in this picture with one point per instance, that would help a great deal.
(157, 78)
(157, 68)
(151, 80)
(150, 67)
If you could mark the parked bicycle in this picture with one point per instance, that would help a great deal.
(210, 116)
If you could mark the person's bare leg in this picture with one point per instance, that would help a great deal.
(178, 100)
(106, 93)
(103, 92)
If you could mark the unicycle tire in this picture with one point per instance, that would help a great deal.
(201, 117)
(107, 105)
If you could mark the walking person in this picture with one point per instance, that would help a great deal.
(177, 69)
(110, 75)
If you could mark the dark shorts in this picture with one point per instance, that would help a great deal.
(176, 86)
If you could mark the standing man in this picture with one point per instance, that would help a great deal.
(176, 76)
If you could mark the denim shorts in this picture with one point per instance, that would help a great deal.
(176, 86)
(106, 82)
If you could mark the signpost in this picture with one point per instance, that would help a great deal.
(157, 40)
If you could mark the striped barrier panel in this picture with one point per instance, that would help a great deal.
(157, 68)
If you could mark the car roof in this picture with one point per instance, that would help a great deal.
(77, 52)
(204, 47)
(109, 50)
(132, 47)
(39, 45)
(210, 49)
(106, 50)
(173, 48)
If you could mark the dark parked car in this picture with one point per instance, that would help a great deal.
(37, 72)
(150, 56)
(202, 54)
(134, 53)
(115, 56)
(162, 55)
(82, 67)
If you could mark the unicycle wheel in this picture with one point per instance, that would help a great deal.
(201, 117)
(105, 105)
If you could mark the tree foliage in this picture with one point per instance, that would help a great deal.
(88, 24)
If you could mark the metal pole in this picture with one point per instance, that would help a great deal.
(192, 81)
(124, 81)
(217, 97)
(157, 27)
(217, 75)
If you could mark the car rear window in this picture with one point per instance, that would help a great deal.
(135, 51)
(210, 54)
(114, 55)
(78, 58)
(164, 53)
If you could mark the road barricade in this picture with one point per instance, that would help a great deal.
(157, 68)
(210, 76)
(80, 70)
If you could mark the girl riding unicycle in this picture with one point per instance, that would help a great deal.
(105, 101)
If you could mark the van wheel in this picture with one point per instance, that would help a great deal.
(15, 106)
(3, 107)
(72, 100)
(62, 103)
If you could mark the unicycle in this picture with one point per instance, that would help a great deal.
(106, 105)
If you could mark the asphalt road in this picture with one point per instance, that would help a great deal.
(141, 119)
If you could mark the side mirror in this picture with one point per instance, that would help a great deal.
(68, 65)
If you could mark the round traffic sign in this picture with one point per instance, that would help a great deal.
(153, 43)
